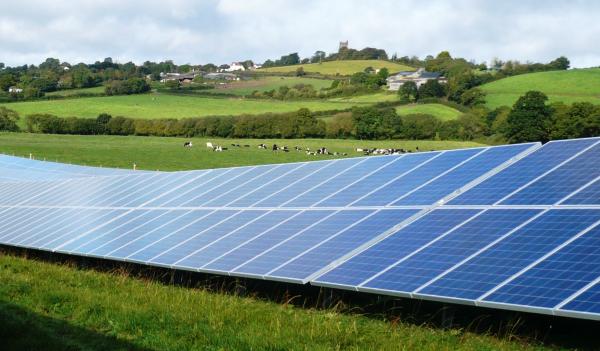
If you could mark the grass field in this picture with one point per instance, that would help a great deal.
(71, 92)
(343, 67)
(267, 83)
(168, 153)
(566, 86)
(46, 306)
(157, 105)
(369, 98)
(443, 112)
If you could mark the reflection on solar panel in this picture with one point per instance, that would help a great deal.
(513, 227)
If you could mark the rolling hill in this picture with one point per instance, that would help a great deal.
(342, 67)
(565, 86)
(442, 112)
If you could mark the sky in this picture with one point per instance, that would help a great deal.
(222, 31)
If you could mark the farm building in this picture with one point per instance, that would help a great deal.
(181, 77)
(221, 76)
(419, 77)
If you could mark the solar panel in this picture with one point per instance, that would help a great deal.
(512, 227)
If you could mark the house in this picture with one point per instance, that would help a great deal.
(221, 76)
(15, 90)
(420, 77)
(235, 66)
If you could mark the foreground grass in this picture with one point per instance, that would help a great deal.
(168, 153)
(342, 67)
(442, 112)
(156, 105)
(58, 307)
(566, 86)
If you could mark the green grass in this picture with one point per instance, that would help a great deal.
(342, 67)
(267, 83)
(369, 98)
(46, 306)
(70, 92)
(168, 153)
(443, 112)
(156, 105)
(566, 86)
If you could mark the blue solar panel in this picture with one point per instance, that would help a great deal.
(297, 188)
(391, 192)
(194, 240)
(402, 243)
(561, 182)
(560, 275)
(523, 171)
(587, 302)
(264, 241)
(589, 195)
(374, 224)
(490, 268)
(410, 274)
(340, 181)
(197, 222)
(461, 176)
(294, 246)
(339, 245)
(265, 220)
(393, 170)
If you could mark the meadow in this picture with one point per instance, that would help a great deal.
(71, 92)
(570, 86)
(341, 67)
(246, 87)
(52, 306)
(442, 112)
(168, 154)
(156, 105)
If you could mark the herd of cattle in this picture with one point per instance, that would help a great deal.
(308, 151)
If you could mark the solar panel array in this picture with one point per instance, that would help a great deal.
(514, 227)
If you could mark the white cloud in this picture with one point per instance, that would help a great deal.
(224, 30)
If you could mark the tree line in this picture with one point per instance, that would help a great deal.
(530, 119)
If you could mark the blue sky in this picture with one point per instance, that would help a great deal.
(222, 31)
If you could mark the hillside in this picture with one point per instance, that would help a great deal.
(566, 86)
(343, 67)
(443, 112)
(158, 105)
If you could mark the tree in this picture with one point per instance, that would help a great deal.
(318, 57)
(473, 97)
(431, 89)
(300, 72)
(561, 63)
(409, 91)
(7, 81)
(529, 119)
(8, 120)
(582, 119)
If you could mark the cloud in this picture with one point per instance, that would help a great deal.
(221, 31)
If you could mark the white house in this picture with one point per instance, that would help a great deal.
(234, 66)
(15, 90)
(419, 76)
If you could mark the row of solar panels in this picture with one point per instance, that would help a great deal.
(18, 169)
(334, 223)
(410, 180)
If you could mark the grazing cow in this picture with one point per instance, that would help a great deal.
(297, 148)
(246, 145)
(210, 146)
(275, 148)
(262, 146)
(187, 144)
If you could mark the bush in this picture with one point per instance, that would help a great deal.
(8, 120)
(127, 87)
